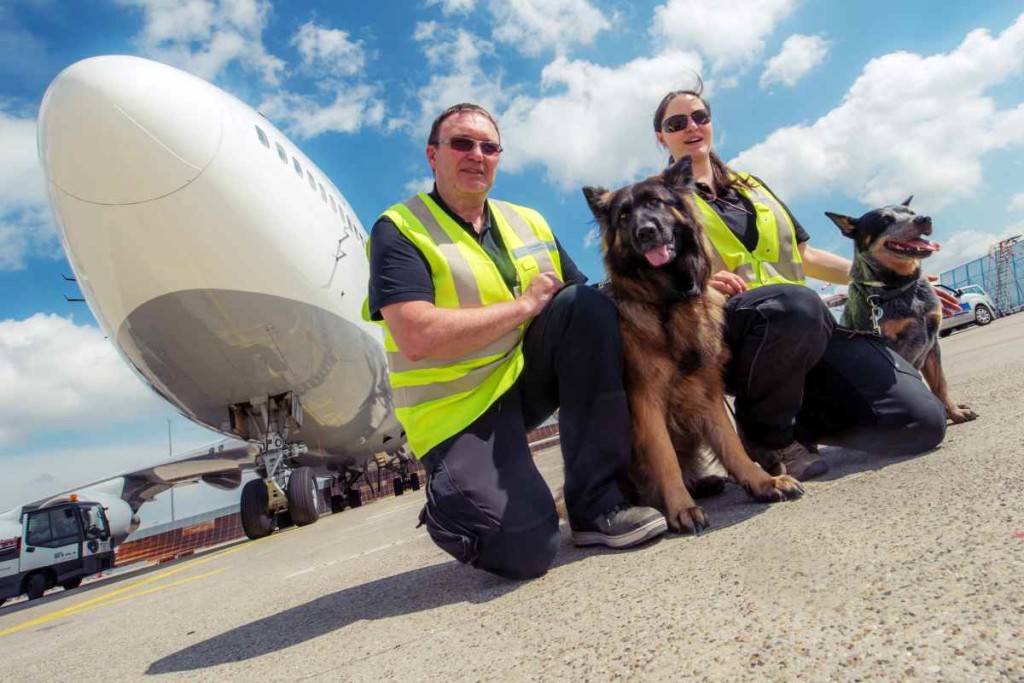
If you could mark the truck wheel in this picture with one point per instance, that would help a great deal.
(256, 519)
(302, 495)
(35, 585)
(72, 584)
(982, 316)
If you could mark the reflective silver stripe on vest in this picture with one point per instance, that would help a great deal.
(500, 346)
(532, 246)
(466, 287)
(407, 397)
(786, 265)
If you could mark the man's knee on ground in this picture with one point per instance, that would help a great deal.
(924, 431)
(521, 555)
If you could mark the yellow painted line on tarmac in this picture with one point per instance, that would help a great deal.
(111, 597)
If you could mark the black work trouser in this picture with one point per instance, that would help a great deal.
(487, 505)
(794, 374)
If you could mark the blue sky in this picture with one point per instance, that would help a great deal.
(837, 106)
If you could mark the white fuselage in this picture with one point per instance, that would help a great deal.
(219, 259)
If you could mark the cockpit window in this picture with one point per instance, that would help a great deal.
(281, 153)
(263, 137)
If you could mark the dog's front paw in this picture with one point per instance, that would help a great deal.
(775, 489)
(687, 520)
(961, 414)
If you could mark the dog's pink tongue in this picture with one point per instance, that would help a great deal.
(925, 244)
(659, 256)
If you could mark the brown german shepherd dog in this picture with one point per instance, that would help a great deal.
(657, 260)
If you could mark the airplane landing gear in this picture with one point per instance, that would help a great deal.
(302, 496)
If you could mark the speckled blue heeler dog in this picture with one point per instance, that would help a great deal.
(889, 297)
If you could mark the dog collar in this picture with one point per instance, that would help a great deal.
(886, 294)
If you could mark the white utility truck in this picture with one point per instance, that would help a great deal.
(56, 545)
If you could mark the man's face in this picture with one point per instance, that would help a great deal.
(462, 176)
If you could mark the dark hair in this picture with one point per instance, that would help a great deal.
(722, 176)
(435, 128)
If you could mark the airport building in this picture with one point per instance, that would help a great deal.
(1000, 273)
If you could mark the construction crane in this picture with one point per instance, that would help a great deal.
(1007, 294)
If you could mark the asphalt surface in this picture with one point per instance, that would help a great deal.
(887, 570)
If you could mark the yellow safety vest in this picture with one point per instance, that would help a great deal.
(436, 399)
(775, 260)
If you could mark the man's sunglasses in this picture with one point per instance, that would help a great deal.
(460, 144)
(677, 123)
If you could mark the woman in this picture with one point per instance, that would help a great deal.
(797, 381)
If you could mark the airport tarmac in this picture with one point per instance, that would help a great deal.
(905, 569)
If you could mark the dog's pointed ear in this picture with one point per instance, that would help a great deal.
(679, 176)
(906, 202)
(596, 199)
(847, 224)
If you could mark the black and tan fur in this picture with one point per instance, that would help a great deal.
(887, 271)
(671, 325)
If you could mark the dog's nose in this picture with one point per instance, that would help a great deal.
(646, 232)
(924, 224)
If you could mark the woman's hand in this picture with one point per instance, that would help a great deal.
(728, 283)
(950, 304)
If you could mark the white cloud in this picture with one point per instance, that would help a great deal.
(798, 56)
(730, 34)
(595, 126)
(352, 108)
(1016, 202)
(901, 128)
(453, 6)
(60, 376)
(205, 36)
(966, 245)
(328, 50)
(26, 223)
(533, 26)
(417, 185)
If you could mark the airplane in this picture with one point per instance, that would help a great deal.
(230, 273)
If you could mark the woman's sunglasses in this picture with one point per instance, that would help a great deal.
(677, 123)
(460, 144)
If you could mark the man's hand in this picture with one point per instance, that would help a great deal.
(950, 304)
(728, 283)
(542, 289)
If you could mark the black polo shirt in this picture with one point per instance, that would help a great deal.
(400, 272)
(737, 212)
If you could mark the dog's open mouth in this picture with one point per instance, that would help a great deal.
(919, 248)
(659, 256)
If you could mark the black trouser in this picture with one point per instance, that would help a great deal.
(487, 505)
(794, 374)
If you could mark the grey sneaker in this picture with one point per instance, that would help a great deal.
(796, 460)
(621, 526)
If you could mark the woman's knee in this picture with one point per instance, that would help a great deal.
(521, 555)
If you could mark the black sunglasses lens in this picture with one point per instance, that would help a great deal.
(490, 148)
(700, 117)
(674, 123)
(461, 144)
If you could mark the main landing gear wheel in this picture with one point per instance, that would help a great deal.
(355, 498)
(257, 521)
(337, 504)
(302, 496)
(399, 486)
(414, 481)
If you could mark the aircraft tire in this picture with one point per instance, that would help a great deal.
(35, 585)
(72, 584)
(302, 495)
(414, 481)
(355, 498)
(337, 504)
(399, 486)
(284, 520)
(256, 519)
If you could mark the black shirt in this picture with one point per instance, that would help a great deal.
(737, 212)
(400, 272)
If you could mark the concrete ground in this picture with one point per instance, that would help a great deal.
(886, 570)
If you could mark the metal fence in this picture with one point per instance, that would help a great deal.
(983, 271)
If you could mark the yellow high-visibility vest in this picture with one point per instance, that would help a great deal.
(436, 399)
(775, 260)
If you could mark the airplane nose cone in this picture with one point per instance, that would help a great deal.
(125, 130)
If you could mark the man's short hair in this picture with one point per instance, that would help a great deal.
(435, 128)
